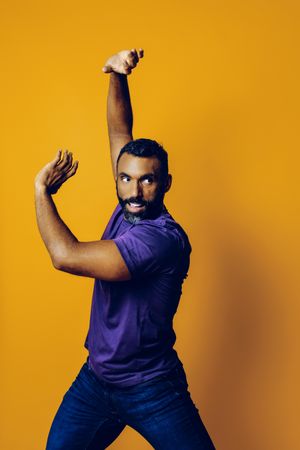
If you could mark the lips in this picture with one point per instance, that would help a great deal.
(135, 206)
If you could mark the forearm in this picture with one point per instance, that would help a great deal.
(57, 237)
(119, 111)
(99, 259)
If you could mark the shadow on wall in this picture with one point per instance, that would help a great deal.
(246, 331)
(240, 285)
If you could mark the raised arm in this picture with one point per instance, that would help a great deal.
(98, 259)
(119, 110)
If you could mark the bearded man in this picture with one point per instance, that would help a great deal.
(133, 375)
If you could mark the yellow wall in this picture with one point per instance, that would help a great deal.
(219, 88)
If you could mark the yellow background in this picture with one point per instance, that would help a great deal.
(219, 88)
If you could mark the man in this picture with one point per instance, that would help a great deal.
(133, 375)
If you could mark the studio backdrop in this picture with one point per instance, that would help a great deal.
(218, 87)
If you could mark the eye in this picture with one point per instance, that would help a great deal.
(148, 180)
(125, 179)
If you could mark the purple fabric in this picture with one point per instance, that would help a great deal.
(131, 336)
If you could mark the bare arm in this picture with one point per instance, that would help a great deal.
(119, 116)
(99, 259)
(119, 110)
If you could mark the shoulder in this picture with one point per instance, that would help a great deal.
(168, 226)
(152, 246)
(164, 232)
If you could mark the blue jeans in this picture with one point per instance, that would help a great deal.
(93, 414)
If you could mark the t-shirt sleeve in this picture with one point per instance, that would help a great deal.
(148, 249)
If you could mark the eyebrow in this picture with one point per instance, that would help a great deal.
(146, 175)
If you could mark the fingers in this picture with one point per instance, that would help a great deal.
(55, 173)
(65, 163)
(72, 170)
(123, 62)
(69, 162)
(139, 53)
(57, 158)
(64, 176)
(133, 57)
(65, 159)
(127, 68)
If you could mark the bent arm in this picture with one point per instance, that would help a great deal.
(99, 259)
(119, 116)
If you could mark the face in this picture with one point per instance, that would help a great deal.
(140, 189)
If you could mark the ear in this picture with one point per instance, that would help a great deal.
(168, 182)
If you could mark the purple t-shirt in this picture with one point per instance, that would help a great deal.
(131, 336)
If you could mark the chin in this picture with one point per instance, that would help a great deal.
(134, 218)
(131, 218)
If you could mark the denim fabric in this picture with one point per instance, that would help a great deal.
(93, 414)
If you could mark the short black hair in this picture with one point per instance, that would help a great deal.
(146, 148)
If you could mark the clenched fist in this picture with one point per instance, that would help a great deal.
(123, 62)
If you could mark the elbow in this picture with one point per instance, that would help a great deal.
(60, 260)
(64, 258)
(57, 262)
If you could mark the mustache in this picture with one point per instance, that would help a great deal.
(139, 200)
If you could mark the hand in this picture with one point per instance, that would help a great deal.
(56, 172)
(123, 62)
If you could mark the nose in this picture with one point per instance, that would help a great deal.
(136, 189)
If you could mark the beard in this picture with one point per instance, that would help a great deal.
(152, 208)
